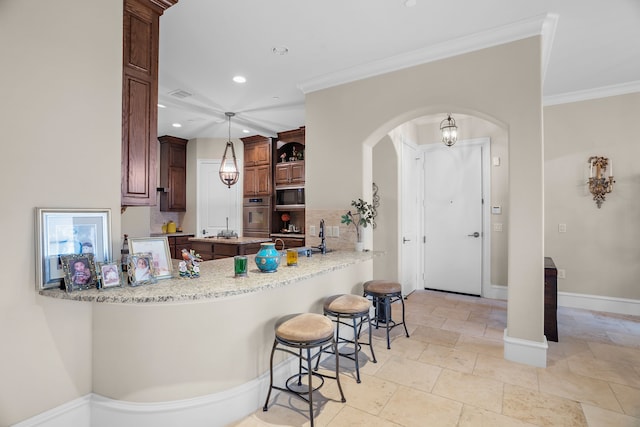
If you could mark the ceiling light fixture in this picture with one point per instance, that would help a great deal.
(239, 79)
(229, 173)
(162, 106)
(449, 131)
(176, 125)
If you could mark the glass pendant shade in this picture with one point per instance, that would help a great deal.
(229, 172)
(449, 131)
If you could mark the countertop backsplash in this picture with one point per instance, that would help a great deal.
(158, 218)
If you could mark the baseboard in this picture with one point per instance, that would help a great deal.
(214, 410)
(532, 353)
(495, 292)
(76, 413)
(599, 303)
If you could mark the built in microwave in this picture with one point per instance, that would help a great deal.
(290, 198)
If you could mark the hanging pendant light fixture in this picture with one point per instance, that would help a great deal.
(229, 173)
(449, 131)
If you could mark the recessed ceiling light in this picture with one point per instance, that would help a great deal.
(245, 130)
(176, 125)
(161, 106)
(239, 79)
(280, 50)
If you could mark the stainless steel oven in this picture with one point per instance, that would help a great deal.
(256, 216)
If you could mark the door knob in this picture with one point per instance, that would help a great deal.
(476, 234)
(405, 240)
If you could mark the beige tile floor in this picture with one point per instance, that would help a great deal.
(451, 372)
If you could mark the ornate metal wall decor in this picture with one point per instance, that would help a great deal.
(599, 186)
(375, 204)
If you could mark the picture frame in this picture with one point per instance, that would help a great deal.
(158, 247)
(65, 232)
(79, 271)
(141, 269)
(109, 274)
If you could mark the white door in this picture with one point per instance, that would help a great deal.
(411, 194)
(453, 218)
(216, 202)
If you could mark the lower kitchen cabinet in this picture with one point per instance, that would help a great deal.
(209, 250)
(178, 243)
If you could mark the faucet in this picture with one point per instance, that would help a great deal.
(323, 246)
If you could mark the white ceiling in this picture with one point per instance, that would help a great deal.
(591, 49)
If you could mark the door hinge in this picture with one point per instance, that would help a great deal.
(424, 239)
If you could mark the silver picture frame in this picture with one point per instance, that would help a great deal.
(158, 247)
(61, 231)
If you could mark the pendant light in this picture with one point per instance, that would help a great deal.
(229, 173)
(449, 131)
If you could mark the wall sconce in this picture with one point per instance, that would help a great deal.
(598, 184)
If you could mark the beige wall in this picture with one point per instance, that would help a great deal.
(61, 110)
(385, 238)
(600, 251)
(501, 84)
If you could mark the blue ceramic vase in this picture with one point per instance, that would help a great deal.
(268, 258)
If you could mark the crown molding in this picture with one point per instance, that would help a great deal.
(595, 93)
(538, 25)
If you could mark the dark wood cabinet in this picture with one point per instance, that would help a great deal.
(173, 174)
(257, 151)
(550, 300)
(257, 181)
(141, 23)
(217, 250)
(289, 173)
(178, 243)
(257, 166)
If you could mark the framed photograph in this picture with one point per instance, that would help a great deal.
(141, 270)
(69, 232)
(109, 273)
(79, 271)
(158, 247)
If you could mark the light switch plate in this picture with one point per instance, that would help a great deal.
(336, 231)
(562, 228)
(312, 230)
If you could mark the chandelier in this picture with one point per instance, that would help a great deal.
(229, 173)
(449, 131)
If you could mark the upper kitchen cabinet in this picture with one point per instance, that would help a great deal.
(141, 23)
(289, 169)
(257, 166)
(173, 174)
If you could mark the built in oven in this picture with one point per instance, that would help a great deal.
(256, 216)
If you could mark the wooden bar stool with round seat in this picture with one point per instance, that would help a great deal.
(303, 332)
(355, 309)
(384, 293)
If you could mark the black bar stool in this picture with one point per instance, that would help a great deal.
(304, 332)
(384, 293)
(354, 308)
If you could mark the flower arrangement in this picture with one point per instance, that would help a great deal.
(362, 216)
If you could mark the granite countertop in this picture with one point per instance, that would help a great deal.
(217, 280)
(232, 240)
(177, 234)
(288, 235)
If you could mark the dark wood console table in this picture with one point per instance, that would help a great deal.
(550, 300)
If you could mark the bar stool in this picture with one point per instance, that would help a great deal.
(355, 308)
(384, 293)
(304, 332)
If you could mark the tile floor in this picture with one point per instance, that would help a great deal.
(451, 372)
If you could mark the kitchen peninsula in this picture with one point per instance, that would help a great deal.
(205, 337)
